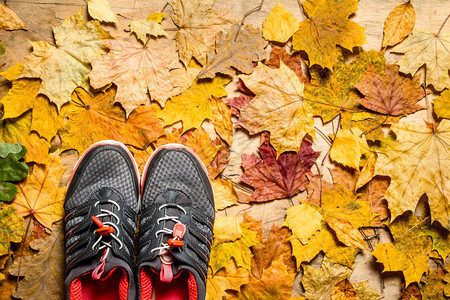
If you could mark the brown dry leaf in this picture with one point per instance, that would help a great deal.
(275, 283)
(39, 195)
(276, 246)
(277, 107)
(11, 229)
(418, 163)
(399, 24)
(100, 10)
(276, 178)
(137, 71)
(228, 278)
(431, 49)
(293, 61)
(319, 283)
(92, 119)
(236, 50)
(17, 130)
(64, 67)
(221, 119)
(220, 161)
(280, 24)
(441, 105)
(343, 290)
(44, 271)
(326, 26)
(373, 192)
(390, 93)
(9, 20)
(197, 26)
(224, 193)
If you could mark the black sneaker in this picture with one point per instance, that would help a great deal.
(176, 226)
(101, 207)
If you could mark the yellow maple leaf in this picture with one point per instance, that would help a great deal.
(348, 147)
(193, 106)
(318, 283)
(221, 119)
(24, 96)
(278, 107)
(228, 278)
(136, 70)
(100, 10)
(92, 119)
(198, 26)
(364, 292)
(399, 24)
(303, 220)
(157, 17)
(17, 130)
(441, 105)
(275, 283)
(418, 163)
(227, 229)
(224, 193)
(430, 49)
(145, 27)
(9, 20)
(280, 24)
(64, 67)
(40, 195)
(184, 77)
(326, 26)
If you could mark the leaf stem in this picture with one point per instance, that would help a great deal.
(321, 185)
(323, 135)
(255, 9)
(404, 233)
(442, 26)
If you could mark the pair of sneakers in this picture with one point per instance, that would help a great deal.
(128, 238)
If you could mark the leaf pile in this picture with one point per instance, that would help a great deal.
(283, 78)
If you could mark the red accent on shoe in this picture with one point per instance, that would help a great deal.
(175, 243)
(75, 290)
(166, 274)
(98, 271)
(113, 286)
(179, 230)
(106, 230)
(146, 285)
(192, 285)
(123, 286)
(97, 221)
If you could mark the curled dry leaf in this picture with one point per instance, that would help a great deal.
(280, 24)
(418, 163)
(76, 42)
(136, 70)
(9, 20)
(326, 26)
(92, 119)
(399, 24)
(236, 50)
(100, 10)
(276, 178)
(390, 93)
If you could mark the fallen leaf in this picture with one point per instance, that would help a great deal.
(346, 233)
(326, 26)
(9, 20)
(228, 278)
(43, 271)
(11, 229)
(145, 27)
(236, 50)
(411, 292)
(275, 247)
(323, 240)
(227, 229)
(279, 25)
(221, 253)
(371, 124)
(446, 279)
(157, 17)
(348, 147)
(368, 170)
(275, 283)
(318, 283)
(293, 61)
(277, 107)
(198, 140)
(442, 105)
(333, 94)
(11, 169)
(193, 106)
(136, 70)
(2, 48)
(364, 292)
(373, 192)
(343, 290)
(440, 238)
(92, 119)
(24, 96)
(197, 26)
(39, 194)
(399, 24)
(409, 252)
(277, 178)
(433, 288)
(221, 119)
(220, 161)
(430, 49)
(418, 163)
(303, 220)
(100, 10)
(184, 77)
(224, 193)
(17, 130)
(390, 93)
(76, 43)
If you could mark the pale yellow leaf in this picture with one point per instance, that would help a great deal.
(224, 193)
(226, 229)
(399, 24)
(100, 10)
(145, 27)
(303, 220)
(280, 24)
(9, 20)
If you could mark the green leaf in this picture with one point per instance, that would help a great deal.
(7, 148)
(8, 191)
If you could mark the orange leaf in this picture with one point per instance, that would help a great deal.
(399, 24)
